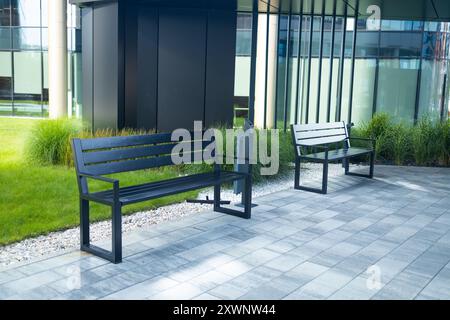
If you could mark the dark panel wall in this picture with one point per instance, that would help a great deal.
(162, 68)
(181, 65)
(88, 66)
(220, 67)
(106, 66)
(131, 63)
(147, 72)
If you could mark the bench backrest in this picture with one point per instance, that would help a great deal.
(102, 156)
(319, 134)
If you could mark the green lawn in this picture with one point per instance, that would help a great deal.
(36, 200)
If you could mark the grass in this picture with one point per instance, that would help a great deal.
(425, 144)
(37, 199)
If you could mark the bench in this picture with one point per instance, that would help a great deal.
(95, 158)
(313, 143)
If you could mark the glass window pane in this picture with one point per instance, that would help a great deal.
(244, 35)
(400, 44)
(282, 69)
(44, 12)
(432, 88)
(397, 88)
(5, 96)
(5, 38)
(363, 90)
(5, 64)
(25, 13)
(27, 83)
(45, 68)
(5, 84)
(26, 38)
(5, 13)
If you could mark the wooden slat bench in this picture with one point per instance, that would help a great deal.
(95, 158)
(319, 138)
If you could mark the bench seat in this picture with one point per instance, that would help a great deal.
(96, 159)
(331, 143)
(149, 191)
(337, 155)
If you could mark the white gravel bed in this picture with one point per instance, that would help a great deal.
(61, 241)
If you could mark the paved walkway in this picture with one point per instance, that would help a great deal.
(387, 238)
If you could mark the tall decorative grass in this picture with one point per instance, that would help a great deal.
(426, 143)
(49, 141)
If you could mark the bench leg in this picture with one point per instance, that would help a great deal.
(372, 168)
(246, 196)
(117, 233)
(298, 186)
(84, 222)
(297, 174)
(115, 256)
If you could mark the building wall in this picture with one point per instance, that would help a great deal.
(24, 58)
(176, 62)
(399, 70)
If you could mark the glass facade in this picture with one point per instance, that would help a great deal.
(24, 58)
(341, 69)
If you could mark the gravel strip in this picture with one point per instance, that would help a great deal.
(61, 241)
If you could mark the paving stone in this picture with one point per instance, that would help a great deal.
(297, 245)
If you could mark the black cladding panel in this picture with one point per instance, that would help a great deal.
(87, 58)
(220, 68)
(181, 68)
(147, 67)
(106, 66)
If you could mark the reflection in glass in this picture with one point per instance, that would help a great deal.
(25, 13)
(5, 13)
(27, 83)
(26, 38)
(397, 88)
(432, 84)
(5, 38)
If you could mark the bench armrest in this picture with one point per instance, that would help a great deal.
(99, 178)
(114, 182)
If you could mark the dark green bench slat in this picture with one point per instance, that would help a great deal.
(149, 191)
(139, 188)
(301, 135)
(95, 158)
(138, 152)
(127, 166)
(121, 142)
(340, 154)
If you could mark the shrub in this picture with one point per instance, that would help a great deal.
(426, 143)
(286, 157)
(49, 141)
(380, 123)
(395, 143)
(431, 142)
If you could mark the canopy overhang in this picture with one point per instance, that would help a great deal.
(428, 10)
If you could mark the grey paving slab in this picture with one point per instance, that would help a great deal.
(298, 245)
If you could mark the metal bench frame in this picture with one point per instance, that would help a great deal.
(103, 156)
(322, 137)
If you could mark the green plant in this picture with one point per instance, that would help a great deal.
(49, 140)
(431, 144)
(39, 199)
(377, 126)
(397, 143)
